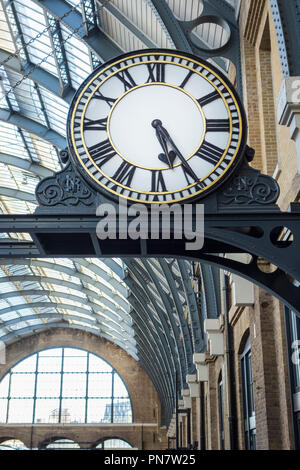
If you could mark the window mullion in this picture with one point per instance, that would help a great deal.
(112, 395)
(35, 386)
(61, 383)
(87, 386)
(8, 397)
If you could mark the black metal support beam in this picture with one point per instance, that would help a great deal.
(286, 17)
(73, 236)
(97, 40)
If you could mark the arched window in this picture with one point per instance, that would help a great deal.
(62, 444)
(114, 444)
(13, 444)
(248, 398)
(64, 385)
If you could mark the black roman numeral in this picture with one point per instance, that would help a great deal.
(157, 182)
(217, 125)
(102, 152)
(156, 72)
(99, 96)
(182, 85)
(210, 153)
(95, 125)
(126, 79)
(124, 173)
(209, 98)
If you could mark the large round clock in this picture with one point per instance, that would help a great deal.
(156, 126)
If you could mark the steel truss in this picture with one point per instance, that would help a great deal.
(225, 234)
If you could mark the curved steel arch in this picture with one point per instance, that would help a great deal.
(162, 386)
(64, 295)
(18, 194)
(160, 367)
(11, 337)
(84, 277)
(34, 127)
(36, 74)
(120, 320)
(174, 328)
(114, 326)
(197, 333)
(286, 17)
(166, 354)
(45, 326)
(212, 301)
(34, 168)
(190, 366)
(51, 280)
(161, 328)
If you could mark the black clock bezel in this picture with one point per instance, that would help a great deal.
(227, 175)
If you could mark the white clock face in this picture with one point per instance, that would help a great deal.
(156, 127)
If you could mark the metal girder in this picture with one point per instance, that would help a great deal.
(180, 313)
(173, 342)
(16, 30)
(97, 40)
(163, 314)
(130, 26)
(29, 330)
(286, 17)
(74, 308)
(37, 74)
(161, 328)
(59, 53)
(210, 290)
(113, 282)
(89, 12)
(145, 362)
(59, 282)
(132, 350)
(170, 24)
(158, 370)
(224, 233)
(219, 8)
(145, 315)
(197, 332)
(19, 120)
(27, 165)
(150, 348)
(141, 316)
(188, 350)
(108, 290)
(183, 38)
(161, 372)
(63, 295)
(46, 315)
(17, 194)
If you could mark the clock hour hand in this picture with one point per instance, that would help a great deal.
(157, 124)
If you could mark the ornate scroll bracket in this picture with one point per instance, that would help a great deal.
(249, 190)
(65, 190)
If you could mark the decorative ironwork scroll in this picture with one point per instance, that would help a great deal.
(66, 188)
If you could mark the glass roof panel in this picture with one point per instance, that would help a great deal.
(33, 24)
(5, 35)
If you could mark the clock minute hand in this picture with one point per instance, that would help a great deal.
(162, 139)
(178, 153)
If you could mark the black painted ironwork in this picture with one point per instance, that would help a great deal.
(242, 217)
